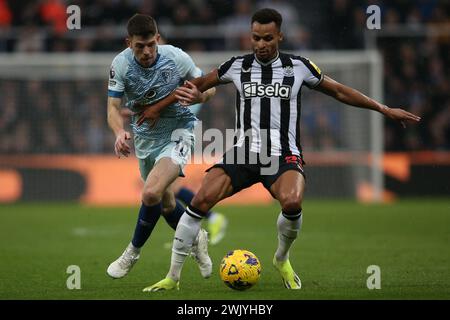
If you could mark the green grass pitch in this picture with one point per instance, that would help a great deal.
(409, 240)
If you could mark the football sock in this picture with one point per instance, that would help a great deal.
(186, 195)
(147, 219)
(173, 217)
(288, 226)
(187, 230)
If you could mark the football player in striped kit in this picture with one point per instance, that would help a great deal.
(268, 84)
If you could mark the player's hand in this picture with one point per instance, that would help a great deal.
(400, 115)
(149, 114)
(121, 146)
(188, 94)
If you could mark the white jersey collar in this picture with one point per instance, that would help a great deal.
(269, 62)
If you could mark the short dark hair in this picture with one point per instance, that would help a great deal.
(142, 25)
(268, 15)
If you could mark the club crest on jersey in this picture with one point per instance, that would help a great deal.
(166, 76)
(288, 71)
(254, 89)
(150, 94)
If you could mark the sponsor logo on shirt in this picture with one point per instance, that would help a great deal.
(254, 89)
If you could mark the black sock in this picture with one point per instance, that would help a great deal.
(173, 217)
(148, 217)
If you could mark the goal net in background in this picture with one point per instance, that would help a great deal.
(55, 104)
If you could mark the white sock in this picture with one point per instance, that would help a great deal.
(185, 235)
(288, 231)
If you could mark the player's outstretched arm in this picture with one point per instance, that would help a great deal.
(204, 83)
(355, 98)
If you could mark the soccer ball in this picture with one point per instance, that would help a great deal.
(240, 269)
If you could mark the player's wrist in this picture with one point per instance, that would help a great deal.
(383, 109)
(208, 94)
(120, 132)
(203, 97)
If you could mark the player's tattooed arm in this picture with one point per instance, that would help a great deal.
(355, 98)
(151, 113)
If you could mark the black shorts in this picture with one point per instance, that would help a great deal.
(254, 169)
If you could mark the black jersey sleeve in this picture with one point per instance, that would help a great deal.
(314, 75)
(225, 71)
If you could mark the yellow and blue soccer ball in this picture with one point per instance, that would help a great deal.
(240, 269)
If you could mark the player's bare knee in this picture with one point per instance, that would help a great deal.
(151, 196)
(292, 207)
(210, 198)
(201, 202)
(291, 203)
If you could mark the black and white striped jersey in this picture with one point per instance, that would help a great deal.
(268, 100)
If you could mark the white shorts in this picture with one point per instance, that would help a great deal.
(178, 148)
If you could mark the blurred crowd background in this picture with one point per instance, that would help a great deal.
(414, 41)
